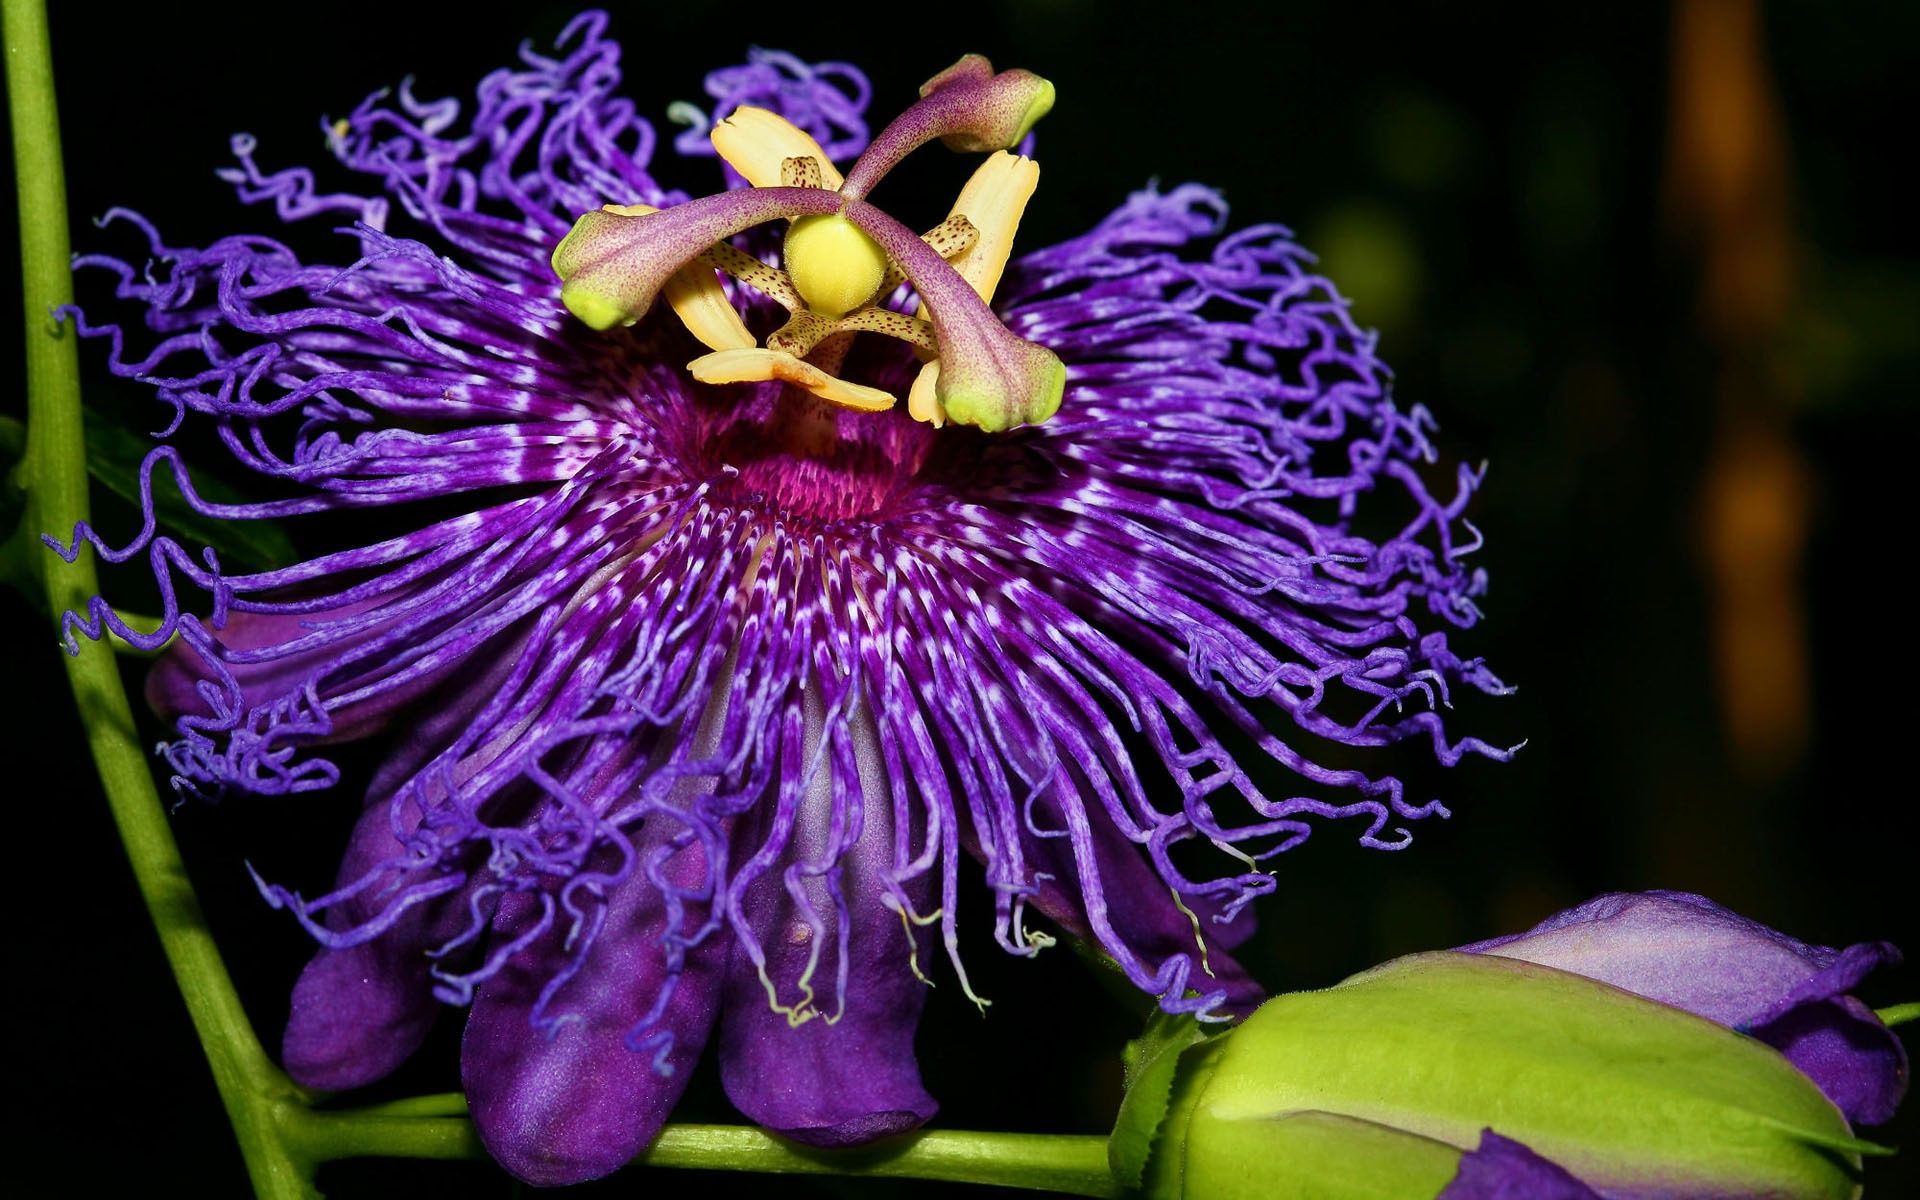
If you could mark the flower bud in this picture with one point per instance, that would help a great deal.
(1377, 1086)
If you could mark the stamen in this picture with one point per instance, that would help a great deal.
(952, 235)
(993, 201)
(703, 307)
(840, 256)
(802, 332)
(948, 238)
(755, 142)
(893, 324)
(755, 365)
(990, 207)
(923, 399)
(770, 282)
(800, 172)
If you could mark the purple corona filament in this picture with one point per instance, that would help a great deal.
(691, 717)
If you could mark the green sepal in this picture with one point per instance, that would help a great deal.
(1311, 1155)
(1151, 1062)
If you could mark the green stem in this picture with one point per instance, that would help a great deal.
(54, 476)
(1075, 1164)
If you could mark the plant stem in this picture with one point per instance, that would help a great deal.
(54, 476)
(1075, 1164)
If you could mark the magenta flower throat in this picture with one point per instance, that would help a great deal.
(776, 557)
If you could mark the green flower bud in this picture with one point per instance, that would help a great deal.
(1375, 1087)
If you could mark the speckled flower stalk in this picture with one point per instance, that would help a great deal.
(696, 695)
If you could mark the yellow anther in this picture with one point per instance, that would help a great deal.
(992, 204)
(836, 267)
(993, 200)
(800, 172)
(922, 403)
(951, 236)
(755, 365)
(701, 303)
(755, 141)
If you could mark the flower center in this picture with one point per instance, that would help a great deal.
(842, 260)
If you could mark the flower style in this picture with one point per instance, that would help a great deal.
(699, 688)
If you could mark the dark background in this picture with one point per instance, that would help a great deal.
(1685, 344)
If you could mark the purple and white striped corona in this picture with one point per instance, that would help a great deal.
(710, 637)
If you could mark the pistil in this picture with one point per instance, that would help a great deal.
(612, 266)
(968, 107)
(842, 257)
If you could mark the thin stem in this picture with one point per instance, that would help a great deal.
(1075, 1164)
(54, 476)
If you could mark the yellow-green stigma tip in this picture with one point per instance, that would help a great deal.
(1040, 106)
(594, 310)
(992, 413)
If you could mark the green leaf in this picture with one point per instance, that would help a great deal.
(114, 456)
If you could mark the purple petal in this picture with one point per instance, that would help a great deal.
(1855, 1059)
(839, 1084)
(579, 1094)
(1142, 907)
(1503, 1169)
(360, 1011)
(1687, 951)
(834, 1065)
(177, 685)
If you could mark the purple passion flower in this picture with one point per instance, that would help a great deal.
(701, 681)
(1687, 951)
